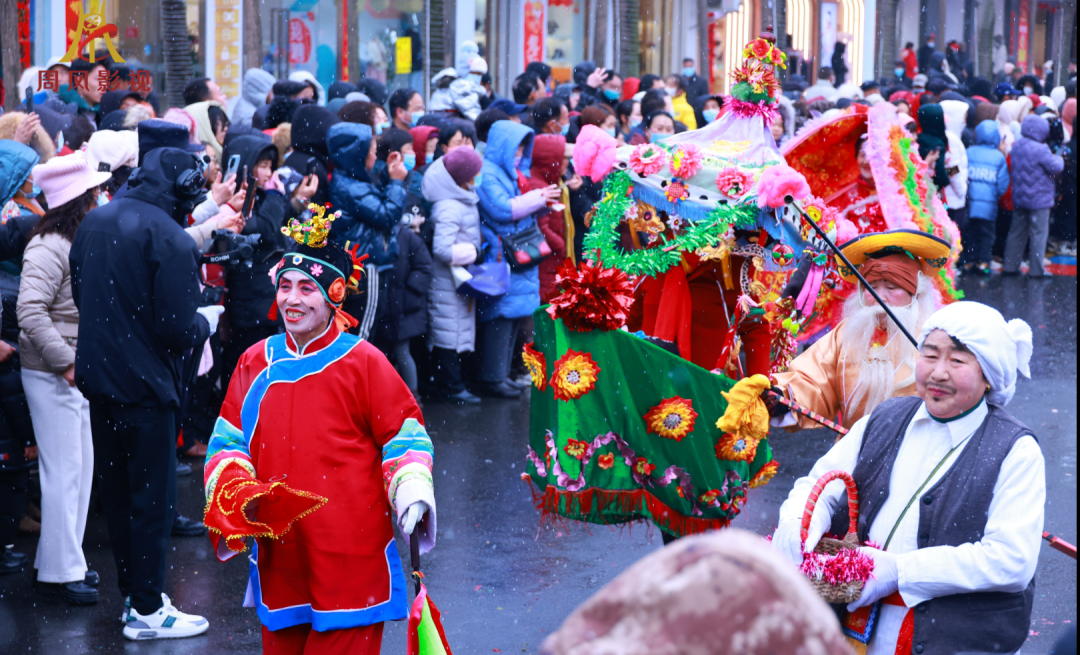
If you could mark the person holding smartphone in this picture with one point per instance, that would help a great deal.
(264, 207)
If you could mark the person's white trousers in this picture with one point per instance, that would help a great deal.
(66, 464)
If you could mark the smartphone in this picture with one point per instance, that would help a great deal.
(310, 167)
(234, 166)
(29, 100)
(249, 199)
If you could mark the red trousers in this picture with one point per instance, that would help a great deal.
(302, 640)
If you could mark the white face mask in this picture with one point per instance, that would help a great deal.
(1028, 90)
(671, 91)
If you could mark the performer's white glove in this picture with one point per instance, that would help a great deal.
(787, 539)
(885, 580)
(412, 516)
(211, 313)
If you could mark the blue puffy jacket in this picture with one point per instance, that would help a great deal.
(370, 215)
(497, 193)
(988, 173)
(1034, 166)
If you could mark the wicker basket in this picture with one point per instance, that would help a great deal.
(849, 591)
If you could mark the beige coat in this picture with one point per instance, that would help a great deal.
(48, 319)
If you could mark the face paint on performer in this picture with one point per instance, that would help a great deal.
(948, 376)
(302, 305)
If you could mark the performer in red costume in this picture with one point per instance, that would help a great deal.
(858, 200)
(318, 440)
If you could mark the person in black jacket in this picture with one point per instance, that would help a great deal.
(135, 281)
(309, 126)
(406, 289)
(250, 292)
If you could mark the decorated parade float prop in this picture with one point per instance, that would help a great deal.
(636, 413)
(896, 196)
(624, 425)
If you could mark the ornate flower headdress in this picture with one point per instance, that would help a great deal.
(314, 231)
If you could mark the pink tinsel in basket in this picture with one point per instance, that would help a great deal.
(746, 109)
(848, 565)
(648, 159)
(779, 181)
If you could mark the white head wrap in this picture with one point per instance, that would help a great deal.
(1001, 348)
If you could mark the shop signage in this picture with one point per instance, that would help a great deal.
(224, 44)
(534, 30)
(1022, 36)
(89, 28)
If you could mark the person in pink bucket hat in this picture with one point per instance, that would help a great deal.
(49, 325)
(63, 179)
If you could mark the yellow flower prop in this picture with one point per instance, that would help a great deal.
(737, 449)
(746, 415)
(671, 419)
(764, 475)
(534, 361)
(574, 375)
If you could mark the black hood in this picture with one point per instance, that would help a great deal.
(582, 72)
(251, 149)
(373, 89)
(309, 126)
(154, 181)
(340, 89)
(280, 110)
(112, 100)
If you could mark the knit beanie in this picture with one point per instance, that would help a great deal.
(462, 164)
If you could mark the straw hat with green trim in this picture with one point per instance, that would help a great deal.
(931, 251)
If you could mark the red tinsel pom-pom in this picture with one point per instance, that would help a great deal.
(592, 297)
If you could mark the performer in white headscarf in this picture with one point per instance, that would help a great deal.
(951, 489)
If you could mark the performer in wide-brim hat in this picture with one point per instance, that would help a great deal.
(867, 359)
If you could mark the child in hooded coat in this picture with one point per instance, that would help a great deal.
(549, 165)
(507, 206)
(988, 179)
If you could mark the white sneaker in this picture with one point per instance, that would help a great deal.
(166, 623)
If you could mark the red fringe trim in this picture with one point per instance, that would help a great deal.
(633, 504)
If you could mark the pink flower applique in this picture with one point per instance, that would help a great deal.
(685, 161)
(316, 270)
(647, 159)
(733, 183)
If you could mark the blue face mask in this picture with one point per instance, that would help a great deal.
(611, 94)
(379, 127)
(409, 159)
(899, 71)
(517, 160)
(566, 129)
(610, 132)
(35, 190)
(710, 114)
(634, 123)
(102, 200)
(478, 180)
(688, 72)
(430, 157)
(657, 138)
(416, 116)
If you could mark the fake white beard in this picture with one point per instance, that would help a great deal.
(877, 370)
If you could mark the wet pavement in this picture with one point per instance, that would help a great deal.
(501, 583)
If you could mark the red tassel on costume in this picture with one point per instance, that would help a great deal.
(272, 314)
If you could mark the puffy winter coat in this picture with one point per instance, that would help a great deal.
(1034, 166)
(456, 242)
(956, 156)
(250, 291)
(48, 318)
(504, 210)
(548, 153)
(370, 216)
(305, 77)
(256, 86)
(988, 172)
(309, 127)
(135, 280)
(16, 162)
(406, 289)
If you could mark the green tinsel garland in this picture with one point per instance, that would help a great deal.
(603, 236)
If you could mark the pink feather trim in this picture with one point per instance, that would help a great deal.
(779, 181)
